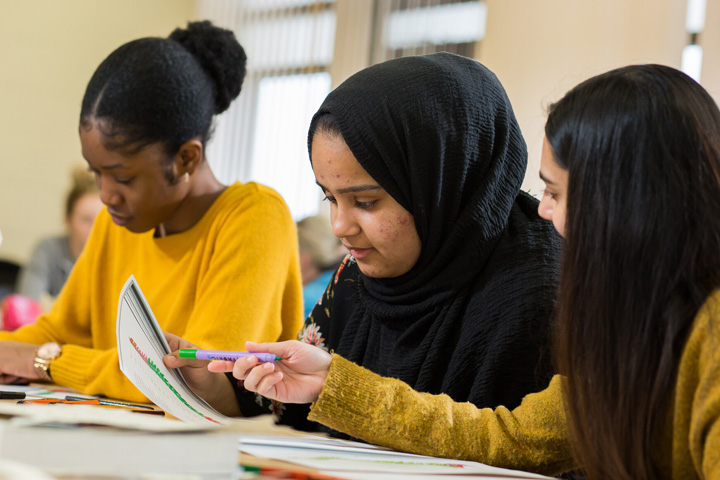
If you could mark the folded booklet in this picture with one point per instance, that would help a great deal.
(141, 347)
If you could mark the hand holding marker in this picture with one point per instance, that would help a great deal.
(225, 355)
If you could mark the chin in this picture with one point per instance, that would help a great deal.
(368, 272)
(134, 228)
(373, 272)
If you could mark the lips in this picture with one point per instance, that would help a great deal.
(359, 253)
(120, 220)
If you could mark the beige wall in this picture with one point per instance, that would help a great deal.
(353, 37)
(48, 51)
(540, 49)
(710, 41)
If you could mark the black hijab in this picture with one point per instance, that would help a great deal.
(437, 132)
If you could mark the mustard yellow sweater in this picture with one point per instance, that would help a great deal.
(234, 276)
(533, 436)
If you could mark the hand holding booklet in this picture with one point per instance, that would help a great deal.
(141, 346)
(74, 438)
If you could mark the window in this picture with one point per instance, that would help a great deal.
(263, 136)
(417, 27)
(290, 47)
(280, 156)
(692, 55)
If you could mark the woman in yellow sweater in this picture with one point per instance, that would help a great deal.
(218, 264)
(631, 162)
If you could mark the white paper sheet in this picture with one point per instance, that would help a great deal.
(414, 476)
(313, 442)
(141, 347)
(74, 415)
(354, 460)
(33, 391)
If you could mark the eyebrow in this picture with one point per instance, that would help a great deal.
(354, 189)
(115, 166)
(545, 179)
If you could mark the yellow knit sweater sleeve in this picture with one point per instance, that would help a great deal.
(696, 416)
(232, 277)
(387, 412)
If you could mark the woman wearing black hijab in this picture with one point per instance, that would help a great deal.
(451, 276)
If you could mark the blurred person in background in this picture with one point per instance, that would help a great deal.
(53, 258)
(320, 255)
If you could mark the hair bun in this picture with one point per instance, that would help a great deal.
(220, 55)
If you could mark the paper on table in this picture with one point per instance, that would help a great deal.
(35, 391)
(84, 451)
(312, 442)
(141, 346)
(11, 469)
(435, 476)
(30, 414)
(334, 461)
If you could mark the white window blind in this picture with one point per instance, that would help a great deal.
(418, 27)
(263, 135)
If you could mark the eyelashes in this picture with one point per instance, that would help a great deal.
(358, 204)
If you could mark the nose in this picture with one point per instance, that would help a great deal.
(545, 208)
(108, 194)
(343, 222)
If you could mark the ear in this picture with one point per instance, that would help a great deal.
(189, 157)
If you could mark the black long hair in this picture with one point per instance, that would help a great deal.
(642, 148)
(166, 91)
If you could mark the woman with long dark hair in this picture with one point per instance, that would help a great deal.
(642, 149)
(631, 162)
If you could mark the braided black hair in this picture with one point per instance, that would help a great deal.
(166, 91)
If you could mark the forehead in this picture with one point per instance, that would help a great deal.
(334, 164)
(546, 155)
(550, 170)
(95, 152)
(99, 157)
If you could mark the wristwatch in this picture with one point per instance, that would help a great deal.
(44, 355)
